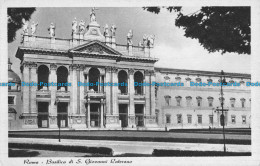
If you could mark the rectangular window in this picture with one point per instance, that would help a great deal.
(189, 119)
(243, 104)
(232, 105)
(178, 103)
(11, 100)
(188, 103)
(244, 119)
(179, 118)
(199, 119)
(210, 104)
(211, 119)
(199, 104)
(168, 118)
(233, 119)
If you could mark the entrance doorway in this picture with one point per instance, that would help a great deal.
(95, 115)
(62, 111)
(43, 114)
(139, 115)
(123, 111)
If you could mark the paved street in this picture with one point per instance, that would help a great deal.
(133, 147)
(139, 136)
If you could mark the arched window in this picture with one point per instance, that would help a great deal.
(62, 78)
(43, 77)
(122, 80)
(94, 76)
(139, 78)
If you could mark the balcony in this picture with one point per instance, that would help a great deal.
(139, 96)
(43, 93)
(63, 94)
(123, 96)
(94, 94)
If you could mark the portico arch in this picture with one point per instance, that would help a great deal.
(122, 79)
(43, 77)
(138, 78)
(94, 75)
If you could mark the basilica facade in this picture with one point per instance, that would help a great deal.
(91, 82)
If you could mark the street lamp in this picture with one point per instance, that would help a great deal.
(222, 117)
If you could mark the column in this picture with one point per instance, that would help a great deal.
(147, 93)
(74, 89)
(78, 92)
(88, 115)
(114, 92)
(53, 103)
(25, 89)
(152, 93)
(70, 112)
(131, 113)
(102, 114)
(108, 90)
(86, 72)
(82, 93)
(33, 74)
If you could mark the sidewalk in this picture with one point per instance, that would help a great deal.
(124, 147)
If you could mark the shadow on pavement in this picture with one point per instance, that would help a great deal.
(22, 153)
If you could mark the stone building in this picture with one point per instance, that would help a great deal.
(200, 106)
(63, 91)
(14, 99)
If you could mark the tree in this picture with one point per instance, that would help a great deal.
(224, 29)
(15, 17)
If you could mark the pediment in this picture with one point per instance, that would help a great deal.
(95, 47)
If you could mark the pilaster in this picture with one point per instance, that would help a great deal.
(115, 91)
(53, 89)
(147, 93)
(131, 112)
(108, 90)
(25, 89)
(33, 90)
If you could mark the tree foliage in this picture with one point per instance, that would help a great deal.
(224, 29)
(15, 17)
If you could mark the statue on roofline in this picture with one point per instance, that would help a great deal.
(74, 25)
(130, 37)
(51, 30)
(25, 27)
(150, 40)
(145, 40)
(81, 26)
(106, 33)
(34, 27)
(93, 15)
(113, 30)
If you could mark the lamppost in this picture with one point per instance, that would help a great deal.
(222, 117)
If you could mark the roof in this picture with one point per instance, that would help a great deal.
(11, 110)
(13, 77)
(201, 72)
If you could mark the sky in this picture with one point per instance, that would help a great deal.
(172, 48)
